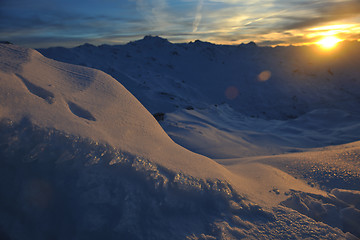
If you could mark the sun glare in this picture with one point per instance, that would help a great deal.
(329, 42)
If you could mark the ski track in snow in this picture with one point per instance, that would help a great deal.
(280, 129)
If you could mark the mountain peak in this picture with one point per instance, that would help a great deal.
(248, 45)
(152, 40)
(86, 45)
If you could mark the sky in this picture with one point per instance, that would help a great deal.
(45, 23)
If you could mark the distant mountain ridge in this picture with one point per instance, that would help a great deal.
(166, 76)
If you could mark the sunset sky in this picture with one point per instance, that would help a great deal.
(44, 23)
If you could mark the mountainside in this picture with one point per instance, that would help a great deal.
(230, 101)
(82, 158)
(271, 83)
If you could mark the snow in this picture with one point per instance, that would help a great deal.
(221, 132)
(165, 76)
(90, 104)
(82, 158)
(348, 196)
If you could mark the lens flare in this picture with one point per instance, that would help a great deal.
(264, 76)
(231, 92)
(329, 42)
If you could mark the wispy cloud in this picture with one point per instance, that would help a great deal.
(155, 14)
(198, 15)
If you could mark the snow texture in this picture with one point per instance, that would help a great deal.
(55, 185)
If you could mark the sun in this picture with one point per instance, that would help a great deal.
(329, 42)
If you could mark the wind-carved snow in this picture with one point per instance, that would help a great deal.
(37, 91)
(340, 209)
(80, 112)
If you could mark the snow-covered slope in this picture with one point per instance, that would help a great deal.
(221, 132)
(200, 85)
(90, 104)
(69, 131)
(272, 83)
(81, 158)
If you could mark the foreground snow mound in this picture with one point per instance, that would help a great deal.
(54, 185)
(91, 104)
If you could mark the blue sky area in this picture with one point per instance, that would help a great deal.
(44, 23)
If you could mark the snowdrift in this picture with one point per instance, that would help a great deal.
(89, 104)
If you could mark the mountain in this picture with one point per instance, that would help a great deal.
(82, 158)
(198, 86)
(271, 83)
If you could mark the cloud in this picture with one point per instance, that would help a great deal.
(198, 16)
(326, 13)
(220, 21)
(154, 13)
